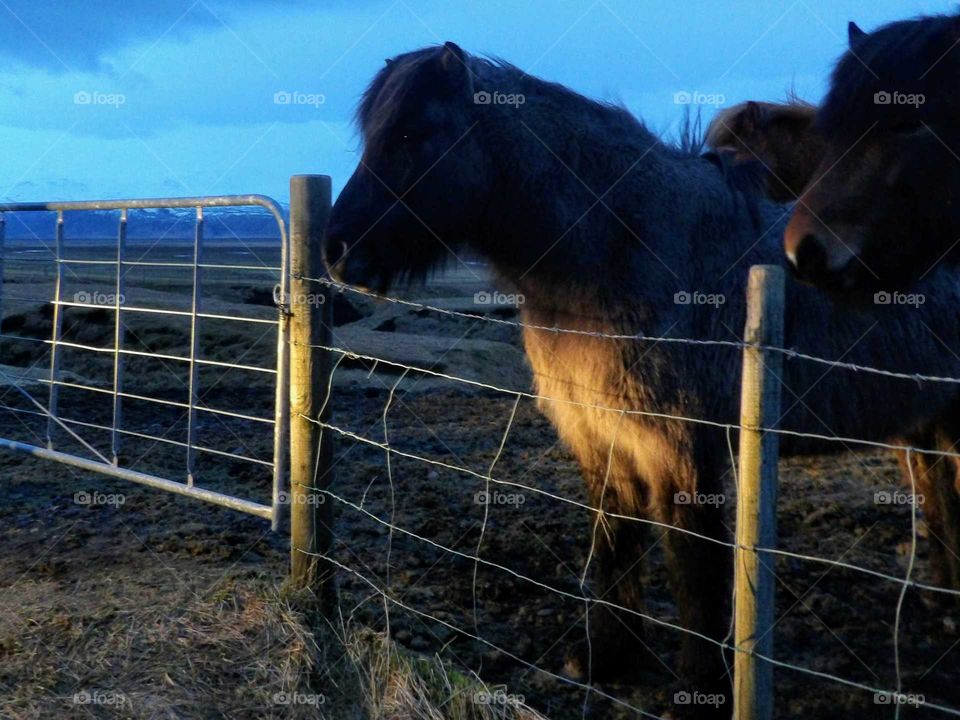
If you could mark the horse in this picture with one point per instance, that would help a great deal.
(608, 230)
(783, 139)
(886, 205)
(778, 136)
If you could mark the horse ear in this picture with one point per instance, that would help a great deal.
(753, 117)
(854, 33)
(453, 60)
(454, 68)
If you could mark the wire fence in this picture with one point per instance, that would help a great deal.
(301, 393)
(897, 696)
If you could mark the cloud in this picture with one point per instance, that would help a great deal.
(75, 36)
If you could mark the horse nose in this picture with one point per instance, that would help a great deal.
(334, 250)
(809, 257)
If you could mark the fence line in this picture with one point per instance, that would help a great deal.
(640, 337)
(773, 661)
(897, 695)
(642, 413)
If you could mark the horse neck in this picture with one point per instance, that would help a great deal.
(554, 157)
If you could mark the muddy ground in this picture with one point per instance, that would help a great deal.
(93, 592)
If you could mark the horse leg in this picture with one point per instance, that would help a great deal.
(615, 649)
(937, 480)
(701, 573)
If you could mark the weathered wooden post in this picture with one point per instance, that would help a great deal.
(311, 527)
(757, 495)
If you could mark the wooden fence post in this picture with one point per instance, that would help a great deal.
(757, 496)
(311, 452)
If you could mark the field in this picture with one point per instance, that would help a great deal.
(144, 604)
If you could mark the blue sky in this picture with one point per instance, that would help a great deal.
(135, 98)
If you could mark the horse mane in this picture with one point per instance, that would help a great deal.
(907, 56)
(382, 104)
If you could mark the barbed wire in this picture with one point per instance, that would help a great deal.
(631, 518)
(629, 411)
(639, 337)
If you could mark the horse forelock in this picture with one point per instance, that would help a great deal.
(905, 56)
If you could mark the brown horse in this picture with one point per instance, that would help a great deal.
(886, 205)
(778, 136)
(782, 138)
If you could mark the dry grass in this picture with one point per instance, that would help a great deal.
(241, 650)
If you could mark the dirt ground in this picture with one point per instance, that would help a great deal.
(145, 604)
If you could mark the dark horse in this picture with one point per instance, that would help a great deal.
(885, 206)
(604, 228)
(782, 139)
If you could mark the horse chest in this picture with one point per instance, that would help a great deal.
(583, 382)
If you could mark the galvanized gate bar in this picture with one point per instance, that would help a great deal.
(118, 336)
(53, 399)
(247, 506)
(193, 398)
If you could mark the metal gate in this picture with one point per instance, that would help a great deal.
(117, 393)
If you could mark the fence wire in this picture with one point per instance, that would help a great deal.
(896, 695)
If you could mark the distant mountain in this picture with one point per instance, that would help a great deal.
(173, 225)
